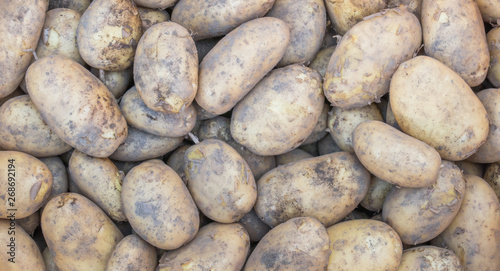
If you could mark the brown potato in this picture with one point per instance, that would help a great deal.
(320, 130)
(492, 177)
(493, 40)
(345, 14)
(255, 227)
(29, 223)
(292, 156)
(150, 17)
(414, 6)
(158, 4)
(20, 252)
(78, 5)
(132, 253)
(374, 199)
(321, 60)
(176, 161)
(424, 258)
(117, 82)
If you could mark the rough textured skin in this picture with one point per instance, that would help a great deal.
(493, 39)
(442, 21)
(414, 6)
(219, 180)
(216, 247)
(298, 244)
(434, 104)
(78, 5)
(425, 258)
(32, 181)
(176, 161)
(364, 61)
(239, 61)
(78, 233)
(255, 227)
(490, 10)
(364, 245)
(307, 22)
(59, 176)
(474, 234)
(21, 23)
(166, 68)
(99, 180)
(150, 17)
(132, 253)
(81, 111)
(420, 214)
(23, 129)
(321, 60)
(213, 18)
(344, 14)
(320, 130)
(374, 199)
(158, 205)
(27, 253)
(280, 112)
(157, 4)
(29, 223)
(327, 187)
(492, 177)
(292, 156)
(108, 34)
(48, 258)
(141, 117)
(117, 82)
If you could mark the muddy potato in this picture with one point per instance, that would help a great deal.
(78, 5)
(176, 161)
(108, 34)
(23, 129)
(320, 130)
(414, 6)
(158, 205)
(434, 104)
(298, 244)
(442, 21)
(429, 258)
(20, 252)
(378, 190)
(352, 81)
(239, 61)
(29, 223)
(492, 177)
(327, 145)
(326, 187)
(345, 14)
(493, 40)
(292, 156)
(117, 82)
(78, 233)
(255, 227)
(132, 253)
(320, 61)
(60, 182)
(49, 260)
(150, 17)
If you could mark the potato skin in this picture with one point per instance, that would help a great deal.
(176, 161)
(493, 40)
(492, 177)
(292, 156)
(346, 13)
(414, 6)
(49, 260)
(117, 82)
(27, 253)
(459, 121)
(442, 21)
(280, 112)
(29, 223)
(320, 130)
(327, 187)
(321, 60)
(490, 11)
(158, 4)
(78, 5)
(158, 205)
(150, 17)
(20, 24)
(364, 244)
(299, 244)
(132, 253)
(239, 61)
(352, 82)
(378, 190)
(429, 258)
(59, 176)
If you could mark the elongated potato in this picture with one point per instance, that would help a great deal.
(429, 258)
(79, 234)
(434, 104)
(493, 40)
(374, 199)
(255, 227)
(384, 41)
(239, 61)
(492, 177)
(132, 253)
(292, 156)
(150, 17)
(338, 179)
(347, 13)
(442, 20)
(117, 82)
(20, 251)
(78, 5)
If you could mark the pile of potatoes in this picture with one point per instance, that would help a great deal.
(250, 135)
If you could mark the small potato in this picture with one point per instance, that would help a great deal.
(490, 10)
(320, 130)
(255, 227)
(321, 60)
(108, 33)
(78, 5)
(60, 182)
(492, 177)
(157, 4)
(298, 244)
(49, 260)
(471, 168)
(176, 161)
(78, 233)
(345, 14)
(327, 145)
(150, 17)
(29, 223)
(420, 214)
(20, 253)
(493, 40)
(117, 82)
(424, 258)
(292, 156)
(364, 245)
(448, 27)
(414, 6)
(326, 187)
(215, 247)
(132, 253)
(374, 199)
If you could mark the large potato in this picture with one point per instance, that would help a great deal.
(280, 112)
(239, 61)
(20, 27)
(345, 14)
(81, 111)
(117, 82)
(150, 17)
(493, 39)
(78, 5)
(434, 104)
(255, 227)
(374, 199)
(364, 61)
(492, 177)
(424, 258)
(327, 187)
(79, 234)
(20, 251)
(132, 253)
(448, 28)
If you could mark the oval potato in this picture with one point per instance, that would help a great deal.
(429, 258)
(19, 254)
(347, 13)
(132, 253)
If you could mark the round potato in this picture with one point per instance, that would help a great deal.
(132, 253)
(378, 190)
(321, 60)
(320, 130)
(255, 227)
(78, 5)
(429, 258)
(21, 252)
(29, 223)
(493, 39)
(292, 156)
(176, 161)
(492, 177)
(150, 17)
(414, 6)
(157, 4)
(117, 82)
(345, 14)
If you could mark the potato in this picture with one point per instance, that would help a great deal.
(429, 258)
(20, 252)
(132, 253)
(100, 181)
(345, 14)
(492, 177)
(327, 187)
(255, 227)
(448, 27)
(157, 4)
(117, 82)
(471, 168)
(490, 11)
(493, 40)
(49, 260)
(292, 156)
(239, 61)
(78, 233)
(219, 180)
(158, 205)
(378, 190)
(176, 162)
(166, 68)
(280, 112)
(150, 17)
(29, 223)
(25, 130)
(141, 117)
(215, 247)
(433, 104)
(327, 145)
(59, 35)
(78, 5)
(298, 244)
(321, 60)
(414, 6)
(383, 41)
(420, 214)
(209, 18)
(81, 111)
(364, 245)
(108, 33)
(321, 128)
(20, 27)
(342, 122)
(474, 233)
(59, 176)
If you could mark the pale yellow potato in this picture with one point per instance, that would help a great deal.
(255, 227)
(150, 17)
(321, 128)
(292, 156)
(493, 40)
(344, 14)
(20, 251)
(374, 199)
(132, 253)
(424, 258)
(321, 60)
(492, 177)
(490, 10)
(117, 82)
(78, 5)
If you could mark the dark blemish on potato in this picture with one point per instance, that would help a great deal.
(34, 190)
(270, 258)
(458, 231)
